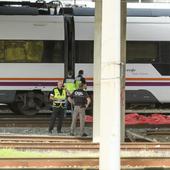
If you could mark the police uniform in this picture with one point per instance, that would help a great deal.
(80, 100)
(58, 108)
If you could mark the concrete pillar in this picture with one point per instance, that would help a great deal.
(107, 82)
(97, 73)
(97, 69)
(123, 67)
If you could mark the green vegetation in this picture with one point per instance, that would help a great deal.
(12, 153)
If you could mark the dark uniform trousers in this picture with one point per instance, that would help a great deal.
(57, 112)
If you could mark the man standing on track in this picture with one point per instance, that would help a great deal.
(80, 99)
(58, 96)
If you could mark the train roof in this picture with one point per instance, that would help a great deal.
(148, 12)
(18, 11)
(148, 9)
(131, 11)
(77, 11)
(43, 8)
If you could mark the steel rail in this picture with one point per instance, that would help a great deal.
(72, 143)
(83, 162)
(145, 146)
(72, 162)
(145, 162)
(47, 142)
(32, 122)
(40, 146)
(147, 111)
(163, 132)
(53, 138)
(80, 146)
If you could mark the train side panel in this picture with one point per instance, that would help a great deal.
(30, 76)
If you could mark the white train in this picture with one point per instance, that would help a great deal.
(37, 49)
(148, 54)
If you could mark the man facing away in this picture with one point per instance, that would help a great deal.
(69, 82)
(80, 79)
(58, 96)
(80, 99)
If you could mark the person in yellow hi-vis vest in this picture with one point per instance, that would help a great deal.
(58, 96)
(69, 85)
(80, 80)
(69, 82)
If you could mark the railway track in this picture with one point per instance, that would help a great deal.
(155, 163)
(32, 122)
(145, 146)
(133, 155)
(62, 142)
(44, 138)
(85, 163)
(66, 146)
(39, 120)
(139, 156)
(158, 133)
(148, 111)
(47, 143)
(9, 119)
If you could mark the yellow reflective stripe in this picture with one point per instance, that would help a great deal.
(58, 106)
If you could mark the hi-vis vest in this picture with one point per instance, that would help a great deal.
(59, 100)
(70, 85)
(77, 82)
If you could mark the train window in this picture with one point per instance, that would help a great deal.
(84, 51)
(164, 52)
(1, 50)
(53, 52)
(141, 52)
(21, 51)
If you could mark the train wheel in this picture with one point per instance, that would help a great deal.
(19, 108)
(25, 110)
(13, 108)
(25, 104)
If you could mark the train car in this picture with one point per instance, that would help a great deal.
(36, 51)
(38, 47)
(148, 54)
(33, 52)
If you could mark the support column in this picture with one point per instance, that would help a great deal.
(97, 72)
(123, 67)
(107, 82)
(97, 69)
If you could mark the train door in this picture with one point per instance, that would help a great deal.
(69, 44)
(84, 40)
